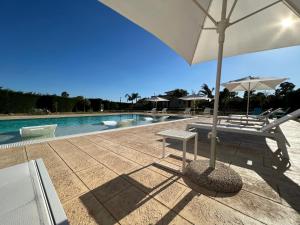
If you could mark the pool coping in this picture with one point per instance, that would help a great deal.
(29, 142)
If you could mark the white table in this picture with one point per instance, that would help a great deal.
(181, 135)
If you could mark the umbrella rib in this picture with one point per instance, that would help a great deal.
(206, 13)
(231, 10)
(255, 12)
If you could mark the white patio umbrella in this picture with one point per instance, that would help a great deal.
(156, 99)
(194, 98)
(251, 83)
(196, 29)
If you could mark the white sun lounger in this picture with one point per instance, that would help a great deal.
(164, 110)
(263, 117)
(153, 110)
(38, 131)
(206, 111)
(271, 130)
(28, 196)
(187, 111)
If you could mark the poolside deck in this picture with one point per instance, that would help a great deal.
(116, 178)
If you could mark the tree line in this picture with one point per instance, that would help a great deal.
(34, 103)
(285, 96)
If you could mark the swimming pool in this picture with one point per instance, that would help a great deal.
(9, 129)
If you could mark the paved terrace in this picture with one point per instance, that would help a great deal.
(112, 178)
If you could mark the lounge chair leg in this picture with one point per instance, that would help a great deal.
(281, 142)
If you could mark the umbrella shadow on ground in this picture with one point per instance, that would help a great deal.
(250, 152)
(123, 195)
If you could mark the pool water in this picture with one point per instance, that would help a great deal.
(9, 129)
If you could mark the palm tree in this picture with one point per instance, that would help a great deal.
(132, 97)
(129, 98)
(205, 90)
(135, 96)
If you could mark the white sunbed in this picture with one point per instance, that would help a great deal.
(110, 123)
(164, 110)
(263, 117)
(38, 131)
(153, 110)
(206, 111)
(29, 197)
(270, 130)
(187, 111)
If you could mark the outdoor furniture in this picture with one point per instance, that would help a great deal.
(110, 123)
(152, 111)
(263, 117)
(164, 110)
(28, 196)
(270, 130)
(280, 113)
(206, 111)
(187, 111)
(182, 136)
(38, 131)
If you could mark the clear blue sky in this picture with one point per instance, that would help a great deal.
(84, 48)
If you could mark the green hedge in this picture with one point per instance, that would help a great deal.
(19, 102)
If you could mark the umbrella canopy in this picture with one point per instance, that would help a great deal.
(196, 29)
(185, 27)
(157, 99)
(251, 83)
(194, 98)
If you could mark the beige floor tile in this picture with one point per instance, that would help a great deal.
(164, 189)
(117, 163)
(67, 185)
(86, 210)
(103, 182)
(76, 159)
(202, 210)
(132, 206)
(12, 156)
(262, 209)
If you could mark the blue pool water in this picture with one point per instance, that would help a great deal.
(9, 129)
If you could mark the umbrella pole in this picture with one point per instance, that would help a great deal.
(221, 30)
(248, 100)
(194, 108)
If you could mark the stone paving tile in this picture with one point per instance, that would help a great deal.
(76, 159)
(200, 209)
(12, 156)
(93, 150)
(117, 163)
(262, 209)
(53, 162)
(86, 210)
(133, 206)
(67, 185)
(103, 182)
(164, 189)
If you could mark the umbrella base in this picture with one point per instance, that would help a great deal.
(221, 179)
